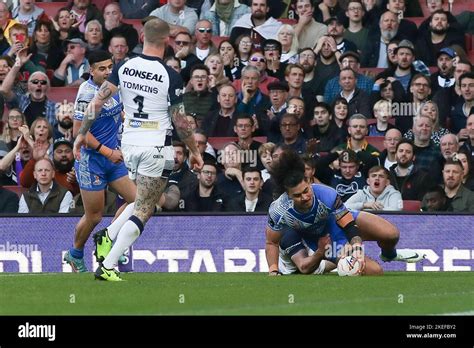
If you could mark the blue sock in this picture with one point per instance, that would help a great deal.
(390, 253)
(77, 253)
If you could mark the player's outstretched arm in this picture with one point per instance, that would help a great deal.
(106, 90)
(186, 134)
(272, 250)
(307, 264)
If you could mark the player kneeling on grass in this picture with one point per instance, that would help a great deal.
(312, 211)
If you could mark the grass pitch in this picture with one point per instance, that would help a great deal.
(395, 293)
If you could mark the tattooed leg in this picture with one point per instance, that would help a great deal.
(149, 191)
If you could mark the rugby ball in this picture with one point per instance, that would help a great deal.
(348, 266)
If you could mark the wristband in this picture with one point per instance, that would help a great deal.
(98, 147)
(277, 272)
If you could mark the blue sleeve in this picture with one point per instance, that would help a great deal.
(274, 217)
(331, 199)
(176, 90)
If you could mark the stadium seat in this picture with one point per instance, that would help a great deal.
(416, 20)
(137, 24)
(288, 21)
(411, 205)
(374, 121)
(59, 94)
(219, 142)
(469, 42)
(16, 189)
(471, 56)
(376, 141)
(51, 8)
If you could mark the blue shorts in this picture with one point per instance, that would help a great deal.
(338, 237)
(95, 171)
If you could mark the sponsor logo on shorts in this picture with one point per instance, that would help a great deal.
(142, 124)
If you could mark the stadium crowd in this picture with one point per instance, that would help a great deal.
(376, 95)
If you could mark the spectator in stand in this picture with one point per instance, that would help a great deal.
(412, 181)
(174, 63)
(245, 48)
(327, 9)
(366, 153)
(258, 60)
(434, 200)
(119, 49)
(65, 116)
(341, 115)
(46, 196)
(465, 105)
(6, 22)
(272, 49)
(182, 175)
(356, 31)
(256, 24)
(203, 46)
(217, 77)
(35, 103)
(327, 66)
(10, 164)
(376, 54)
(289, 44)
(44, 49)
(382, 113)
(206, 197)
(430, 109)
(206, 150)
(220, 122)
(27, 13)
(348, 179)
(265, 152)
(253, 199)
(71, 72)
(428, 155)
(94, 36)
(465, 157)
(378, 194)
(114, 26)
(13, 128)
(290, 126)
(388, 156)
(224, 14)
(307, 30)
(64, 23)
(447, 98)
(444, 77)
(179, 16)
(199, 100)
(232, 64)
(84, 11)
(182, 49)
(440, 36)
(348, 60)
(244, 128)
(406, 28)
(310, 169)
(435, 5)
(324, 128)
(336, 30)
(307, 59)
(229, 180)
(449, 145)
(137, 9)
(459, 197)
(357, 100)
(294, 75)
(8, 201)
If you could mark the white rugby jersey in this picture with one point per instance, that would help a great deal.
(147, 87)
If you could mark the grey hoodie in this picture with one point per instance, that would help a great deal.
(390, 198)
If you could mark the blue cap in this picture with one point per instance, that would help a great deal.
(448, 51)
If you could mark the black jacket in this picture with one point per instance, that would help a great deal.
(192, 202)
(237, 204)
(414, 185)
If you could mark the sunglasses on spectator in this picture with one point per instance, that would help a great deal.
(205, 30)
(182, 43)
(258, 59)
(41, 82)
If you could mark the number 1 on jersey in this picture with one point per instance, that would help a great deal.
(140, 114)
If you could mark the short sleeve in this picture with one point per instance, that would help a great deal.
(176, 90)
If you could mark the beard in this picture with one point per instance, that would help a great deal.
(259, 15)
(388, 34)
(439, 31)
(63, 168)
(66, 123)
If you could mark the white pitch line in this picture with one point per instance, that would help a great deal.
(457, 313)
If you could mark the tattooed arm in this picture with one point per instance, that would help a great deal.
(106, 90)
(186, 133)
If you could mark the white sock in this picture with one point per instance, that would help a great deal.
(114, 228)
(127, 235)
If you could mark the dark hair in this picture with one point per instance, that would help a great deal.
(251, 169)
(453, 161)
(406, 141)
(348, 156)
(199, 67)
(272, 42)
(211, 163)
(440, 11)
(323, 105)
(470, 163)
(178, 143)
(243, 116)
(467, 75)
(375, 169)
(98, 56)
(288, 171)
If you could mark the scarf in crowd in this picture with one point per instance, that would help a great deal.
(224, 11)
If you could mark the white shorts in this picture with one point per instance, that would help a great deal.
(151, 161)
